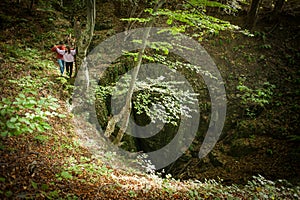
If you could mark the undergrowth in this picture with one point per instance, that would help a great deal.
(63, 169)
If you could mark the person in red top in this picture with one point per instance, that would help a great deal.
(68, 55)
(59, 57)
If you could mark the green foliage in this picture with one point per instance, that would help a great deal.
(25, 114)
(189, 17)
(34, 185)
(135, 56)
(262, 188)
(205, 3)
(62, 80)
(68, 146)
(132, 193)
(53, 194)
(193, 194)
(92, 169)
(30, 85)
(158, 99)
(65, 84)
(239, 47)
(261, 35)
(266, 46)
(28, 112)
(178, 65)
(8, 193)
(44, 186)
(103, 91)
(140, 20)
(41, 138)
(202, 24)
(249, 57)
(255, 98)
(295, 138)
(259, 97)
(161, 100)
(29, 56)
(257, 188)
(64, 175)
(41, 189)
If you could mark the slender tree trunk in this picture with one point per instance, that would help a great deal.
(84, 37)
(252, 14)
(124, 115)
(77, 34)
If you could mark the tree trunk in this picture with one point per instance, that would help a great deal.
(84, 37)
(124, 115)
(252, 14)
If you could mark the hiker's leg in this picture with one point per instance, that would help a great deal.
(68, 67)
(64, 63)
(71, 69)
(61, 66)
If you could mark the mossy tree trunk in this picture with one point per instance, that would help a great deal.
(84, 36)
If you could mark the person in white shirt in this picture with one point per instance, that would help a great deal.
(68, 56)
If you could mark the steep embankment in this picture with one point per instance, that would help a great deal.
(262, 86)
(40, 151)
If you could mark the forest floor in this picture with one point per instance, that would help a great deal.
(52, 163)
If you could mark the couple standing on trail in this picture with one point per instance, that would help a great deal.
(65, 57)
